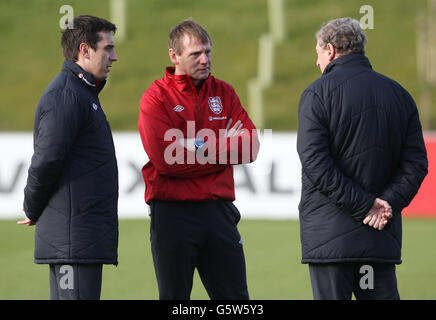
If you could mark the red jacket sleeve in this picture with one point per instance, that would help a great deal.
(153, 124)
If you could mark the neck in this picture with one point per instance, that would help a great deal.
(197, 84)
(82, 65)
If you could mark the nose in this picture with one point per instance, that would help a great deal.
(113, 56)
(204, 58)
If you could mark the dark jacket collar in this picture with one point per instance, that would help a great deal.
(346, 60)
(86, 78)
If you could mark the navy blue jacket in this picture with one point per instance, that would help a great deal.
(72, 185)
(359, 137)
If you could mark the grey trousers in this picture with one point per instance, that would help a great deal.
(368, 281)
(75, 281)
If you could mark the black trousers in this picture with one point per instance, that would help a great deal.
(368, 281)
(75, 281)
(202, 235)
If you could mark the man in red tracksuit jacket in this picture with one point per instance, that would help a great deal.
(194, 130)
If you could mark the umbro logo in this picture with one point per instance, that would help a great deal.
(94, 106)
(178, 108)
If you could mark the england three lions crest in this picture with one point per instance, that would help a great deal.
(215, 105)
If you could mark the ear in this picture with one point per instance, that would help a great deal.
(84, 50)
(173, 56)
(331, 52)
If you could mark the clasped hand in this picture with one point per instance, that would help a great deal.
(379, 214)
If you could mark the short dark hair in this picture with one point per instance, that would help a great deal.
(189, 27)
(85, 30)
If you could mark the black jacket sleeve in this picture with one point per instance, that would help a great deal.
(318, 164)
(57, 122)
(413, 165)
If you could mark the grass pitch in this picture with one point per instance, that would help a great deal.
(272, 252)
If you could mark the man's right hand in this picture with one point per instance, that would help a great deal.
(26, 222)
(379, 214)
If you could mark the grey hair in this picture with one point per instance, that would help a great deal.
(345, 34)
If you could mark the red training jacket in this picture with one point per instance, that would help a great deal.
(173, 107)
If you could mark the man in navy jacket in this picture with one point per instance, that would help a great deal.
(363, 160)
(72, 187)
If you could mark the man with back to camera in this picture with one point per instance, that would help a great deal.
(363, 160)
(72, 187)
(193, 220)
